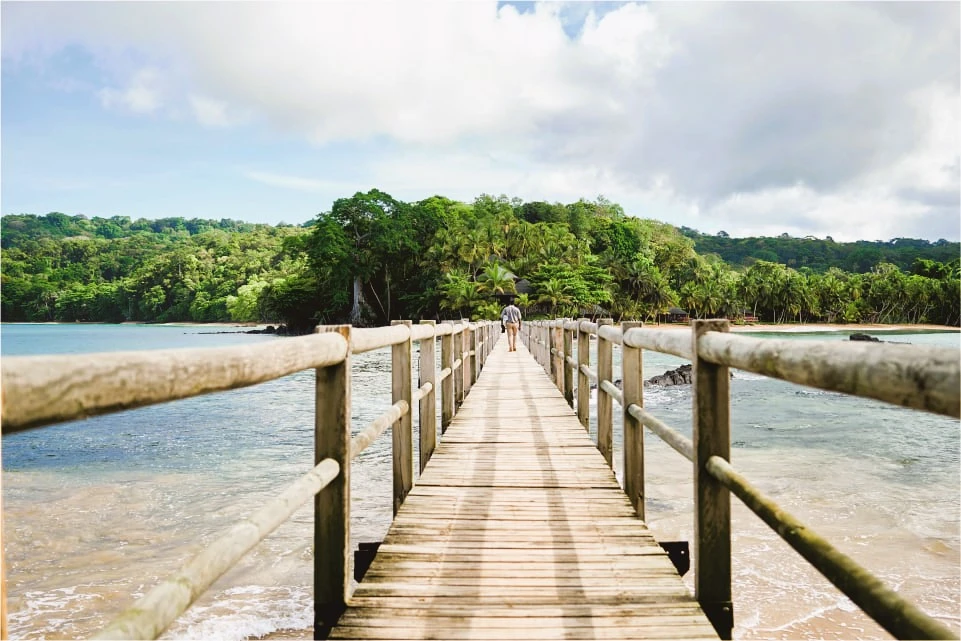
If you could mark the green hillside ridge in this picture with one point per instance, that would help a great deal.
(373, 258)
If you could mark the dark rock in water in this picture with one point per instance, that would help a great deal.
(680, 376)
(683, 375)
(270, 329)
(864, 337)
(617, 383)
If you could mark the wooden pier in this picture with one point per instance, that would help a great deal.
(517, 528)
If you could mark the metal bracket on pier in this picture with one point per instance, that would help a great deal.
(680, 554)
(721, 616)
(363, 557)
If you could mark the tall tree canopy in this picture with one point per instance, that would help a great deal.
(373, 258)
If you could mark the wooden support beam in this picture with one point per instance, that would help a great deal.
(401, 436)
(447, 386)
(428, 404)
(568, 368)
(633, 394)
(557, 355)
(332, 557)
(583, 384)
(605, 371)
(458, 371)
(712, 501)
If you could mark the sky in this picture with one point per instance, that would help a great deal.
(757, 119)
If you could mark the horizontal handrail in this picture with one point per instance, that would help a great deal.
(151, 614)
(915, 376)
(378, 426)
(668, 341)
(368, 339)
(589, 373)
(587, 327)
(422, 391)
(669, 435)
(612, 391)
(918, 377)
(419, 332)
(895, 614)
(43, 390)
(610, 333)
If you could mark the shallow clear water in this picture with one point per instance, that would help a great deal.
(97, 511)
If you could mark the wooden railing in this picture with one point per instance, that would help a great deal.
(43, 390)
(918, 377)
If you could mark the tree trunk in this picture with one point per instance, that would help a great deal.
(358, 301)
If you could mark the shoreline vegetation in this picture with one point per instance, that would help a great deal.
(786, 328)
(373, 258)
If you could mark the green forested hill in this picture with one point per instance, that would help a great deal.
(820, 255)
(372, 258)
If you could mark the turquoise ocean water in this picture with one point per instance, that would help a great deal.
(96, 512)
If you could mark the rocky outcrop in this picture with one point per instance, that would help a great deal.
(683, 375)
(270, 329)
(864, 337)
(680, 376)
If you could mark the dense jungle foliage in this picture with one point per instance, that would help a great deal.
(372, 258)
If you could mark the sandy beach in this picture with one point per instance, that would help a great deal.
(868, 328)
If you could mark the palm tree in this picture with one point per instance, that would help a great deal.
(496, 279)
(460, 293)
(524, 302)
(553, 292)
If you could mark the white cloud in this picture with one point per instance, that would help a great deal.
(298, 183)
(143, 94)
(212, 113)
(819, 118)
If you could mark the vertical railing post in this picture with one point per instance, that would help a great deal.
(712, 501)
(605, 372)
(568, 368)
(545, 345)
(447, 386)
(332, 555)
(475, 359)
(428, 403)
(557, 351)
(487, 342)
(583, 383)
(457, 343)
(470, 375)
(632, 378)
(402, 438)
(483, 343)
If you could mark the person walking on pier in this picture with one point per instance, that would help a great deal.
(511, 317)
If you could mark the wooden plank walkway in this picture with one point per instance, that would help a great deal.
(518, 529)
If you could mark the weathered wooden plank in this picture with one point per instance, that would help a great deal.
(605, 372)
(599, 580)
(402, 430)
(428, 404)
(503, 600)
(517, 529)
(394, 618)
(712, 501)
(664, 630)
(539, 594)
